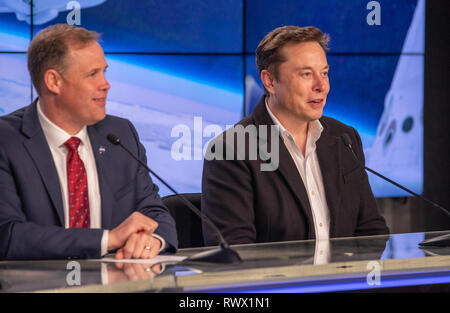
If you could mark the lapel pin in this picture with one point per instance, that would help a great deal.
(101, 149)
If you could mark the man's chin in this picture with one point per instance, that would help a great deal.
(318, 116)
(314, 116)
(96, 120)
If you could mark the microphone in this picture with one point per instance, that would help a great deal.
(437, 241)
(223, 254)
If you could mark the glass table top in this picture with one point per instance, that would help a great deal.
(264, 262)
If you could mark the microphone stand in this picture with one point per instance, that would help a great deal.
(441, 241)
(222, 254)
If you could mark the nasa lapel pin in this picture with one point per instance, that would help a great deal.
(101, 150)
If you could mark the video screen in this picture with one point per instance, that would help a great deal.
(15, 34)
(170, 26)
(176, 67)
(376, 77)
(171, 108)
(15, 83)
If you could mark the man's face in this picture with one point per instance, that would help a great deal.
(302, 85)
(84, 89)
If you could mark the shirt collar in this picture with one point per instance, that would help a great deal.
(315, 128)
(56, 136)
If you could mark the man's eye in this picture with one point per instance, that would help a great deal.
(306, 74)
(325, 74)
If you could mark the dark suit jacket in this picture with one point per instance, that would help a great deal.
(31, 209)
(249, 205)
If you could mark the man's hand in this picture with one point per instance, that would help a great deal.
(135, 223)
(139, 246)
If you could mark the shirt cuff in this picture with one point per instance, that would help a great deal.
(163, 242)
(104, 244)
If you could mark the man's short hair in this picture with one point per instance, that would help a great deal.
(268, 52)
(49, 48)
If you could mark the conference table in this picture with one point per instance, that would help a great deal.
(368, 264)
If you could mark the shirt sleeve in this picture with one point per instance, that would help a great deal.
(104, 245)
(163, 242)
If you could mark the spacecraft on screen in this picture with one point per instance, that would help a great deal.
(397, 148)
(43, 10)
(253, 93)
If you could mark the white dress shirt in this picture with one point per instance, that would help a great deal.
(309, 168)
(56, 137)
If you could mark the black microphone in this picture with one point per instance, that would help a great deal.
(223, 254)
(437, 241)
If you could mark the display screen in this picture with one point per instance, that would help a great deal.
(176, 67)
(376, 77)
(15, 83)
(171, 99)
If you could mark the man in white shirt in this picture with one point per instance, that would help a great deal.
(65, 191)
(318, 190)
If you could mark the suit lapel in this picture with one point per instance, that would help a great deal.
(328, 153)
(40, 153)
(97, 142)
(290, 173)
(286, 167)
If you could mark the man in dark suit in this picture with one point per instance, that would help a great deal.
(316, 189)
(65, 191)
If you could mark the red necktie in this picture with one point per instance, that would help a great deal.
(77, 183)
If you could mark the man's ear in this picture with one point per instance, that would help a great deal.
(267, 80)
(53, 81)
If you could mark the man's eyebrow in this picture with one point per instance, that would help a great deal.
(92, 71)
(96, 69)
(104, 69)
(304, 68)
(326, 67)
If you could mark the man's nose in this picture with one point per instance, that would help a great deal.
(105, 86)
(319, 83)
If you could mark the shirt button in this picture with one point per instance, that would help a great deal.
(313, 193)
(321, 225)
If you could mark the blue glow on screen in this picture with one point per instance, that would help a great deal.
(376, 78)
(14, 35)
(165, 25)
(221, 71)
(15, 84)
(344, 20)
(157, 102)
(199, 71)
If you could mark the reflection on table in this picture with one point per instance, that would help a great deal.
(339, 264)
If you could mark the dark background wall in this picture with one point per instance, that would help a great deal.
(412, 214)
